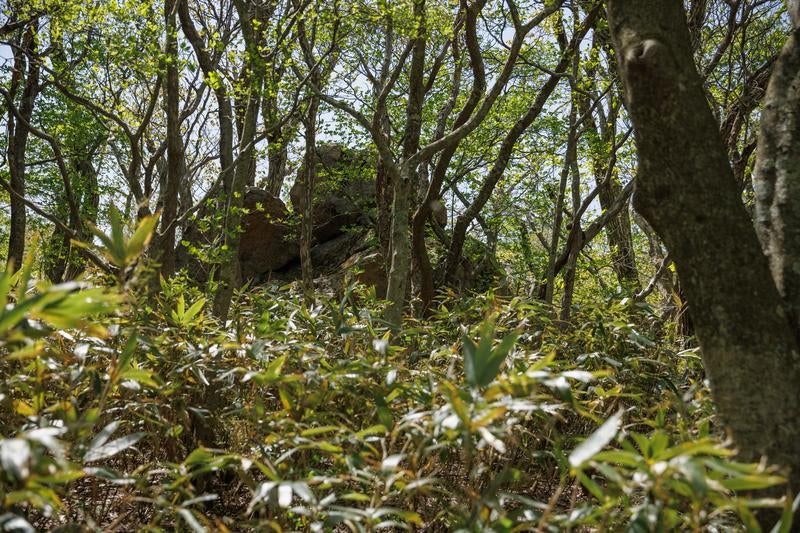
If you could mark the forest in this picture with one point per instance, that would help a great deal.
(400, 265)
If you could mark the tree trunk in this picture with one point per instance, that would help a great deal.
(307, 216)
(400, 265)
(175, 156)
(508, 144)
(383, 198)
(620, 239)
(576, 235)
(62, 261)
(776, 179)
(230, 271)
(570, 270)
(277, 157)
(686, 190)
(603, 129)
(18, 132)
(665, 283)
(558, 216)
(241, 104)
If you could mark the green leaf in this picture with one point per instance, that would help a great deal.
(751, 482)
(144, 377)
(787, 517)
(194, 310)
(113, 448)
(378, 429)
(470, 362)
(140, 238)
(591, 486)
(620, 457)
(313, 432)
(117, 249)
(102, 437)
(198, 456)
(596, 441)
(481, 362)
(191, 520)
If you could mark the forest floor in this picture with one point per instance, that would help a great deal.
(145, 412)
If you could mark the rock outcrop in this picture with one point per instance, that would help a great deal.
(267, 242)
(344, 192)
(344, 199)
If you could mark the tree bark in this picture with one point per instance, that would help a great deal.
(229, 270)
(558, 211)
(233, 200)
(686, 190)
(618, 230)
(175, 155)
(400, 264)
(277, 158)
(776, 179)
(307, 215)
(574, 245)
(620, 238)
(62, 261)
(26, 71)
(603, 129)
(576, 236)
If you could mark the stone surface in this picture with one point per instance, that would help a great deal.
(344, 191)
(267, 242)
(369, 268)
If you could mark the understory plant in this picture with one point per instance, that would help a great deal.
(123, 412)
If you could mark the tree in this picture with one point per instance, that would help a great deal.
(402, 171)
(21, 98)
(235, 170)
(686, 190)
(175, 158)
(507, 146)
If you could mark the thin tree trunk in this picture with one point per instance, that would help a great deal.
(576, 237)
(62, 261)
(241, 105)
(307, 216)
(383, 198)
(175, 156)
(570, 271)
(277, 157)
(658, 256)
(18, 132)
(620, 238)
(558, 216)
(603, 127)
(400, 249)
(455, 250)
(618, 231)
(229, 270)
(431, 196)
(89, 207)
(400, 265)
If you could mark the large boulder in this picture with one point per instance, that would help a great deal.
(344, 196)
(267, 242)
(344, 191)
(369, 268)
